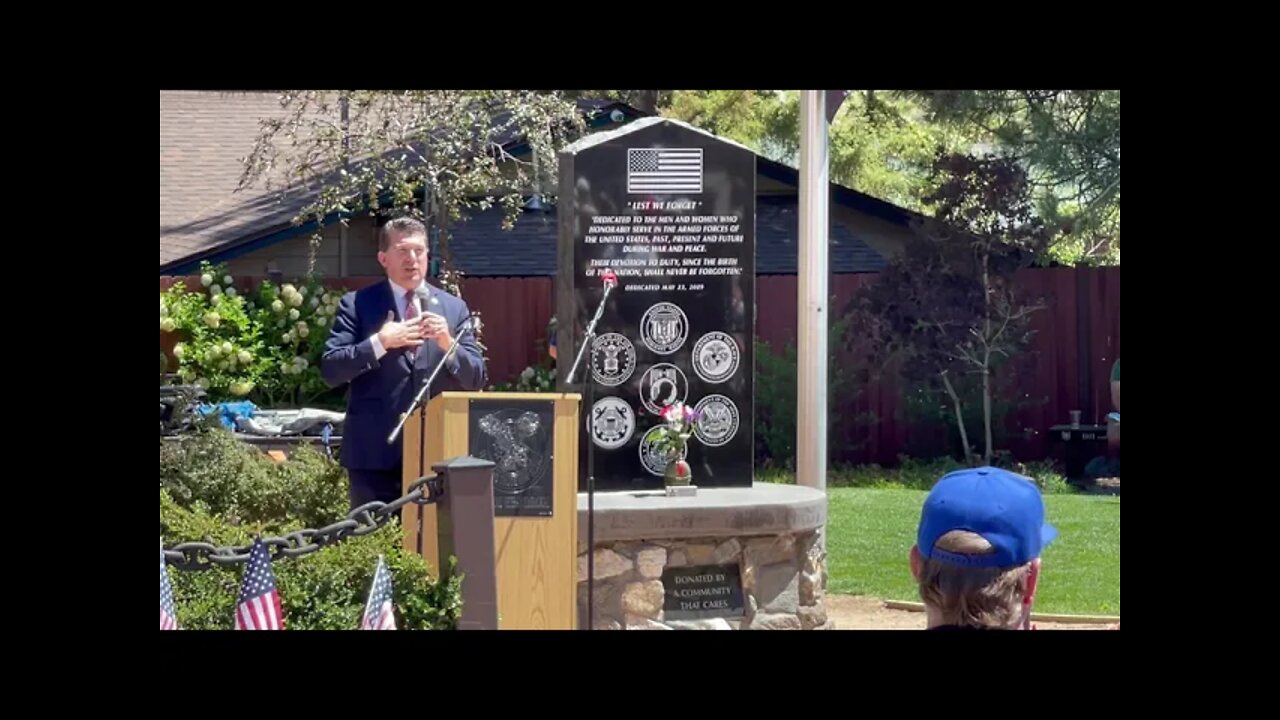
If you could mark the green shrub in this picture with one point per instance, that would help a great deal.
(927, 406)
(238, 481)
(264, 344)
(776, 393)
(534, 378)
(775, 403)
(216, 489)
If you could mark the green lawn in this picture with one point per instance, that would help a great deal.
(871, 530)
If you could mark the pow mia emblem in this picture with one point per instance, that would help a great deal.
(654, 460)
(717, 420)
(613, 359)
(716, 357)
(664, 328)
(611, 423)
(662, 385)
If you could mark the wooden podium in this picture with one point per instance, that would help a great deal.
(533, 439)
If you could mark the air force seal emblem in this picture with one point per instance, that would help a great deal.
(613, 359)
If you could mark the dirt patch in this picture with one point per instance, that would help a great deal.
(854, 612)
(1099, 486)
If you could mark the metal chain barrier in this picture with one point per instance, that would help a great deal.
(359, 522)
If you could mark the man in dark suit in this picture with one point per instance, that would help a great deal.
(386, 341)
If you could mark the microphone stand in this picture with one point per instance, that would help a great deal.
(590, 388)
(466, 327)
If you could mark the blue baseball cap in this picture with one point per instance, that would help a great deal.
(1005, 508)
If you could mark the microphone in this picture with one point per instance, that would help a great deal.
(423, 296)
(610, 278)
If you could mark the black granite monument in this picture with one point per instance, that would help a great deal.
(671, 210)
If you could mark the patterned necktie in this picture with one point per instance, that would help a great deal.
(410, 312)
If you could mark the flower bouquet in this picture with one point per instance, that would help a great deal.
(671, 439)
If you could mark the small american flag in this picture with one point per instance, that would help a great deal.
(259, 604)
(664, 170)
(378, 614)
(168, 616)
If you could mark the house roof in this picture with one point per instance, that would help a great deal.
(203, 135)
(481, 248)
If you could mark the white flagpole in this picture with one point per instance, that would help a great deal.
(811, 396)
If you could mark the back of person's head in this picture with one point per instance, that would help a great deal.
(977, 552)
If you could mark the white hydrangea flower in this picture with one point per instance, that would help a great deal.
(315, 302)
(230, 292)
(295, 300)
(302, 290)
(226, 348)
(304, 331)
(167, 324)
(245, 357)
(216, 290)
(206, 279)
(227, 279)
(179, 350)
(293, 314)
(288, 289)
(212, 319)
(277, 306)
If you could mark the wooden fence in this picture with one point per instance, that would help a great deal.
(1077, 338)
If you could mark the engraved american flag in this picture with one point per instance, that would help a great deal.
(664, 170)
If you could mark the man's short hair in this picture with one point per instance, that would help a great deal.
(972, 596)
(399, 228)
(980, 529)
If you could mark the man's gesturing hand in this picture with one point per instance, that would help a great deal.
(409, 333)
(438, 328)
